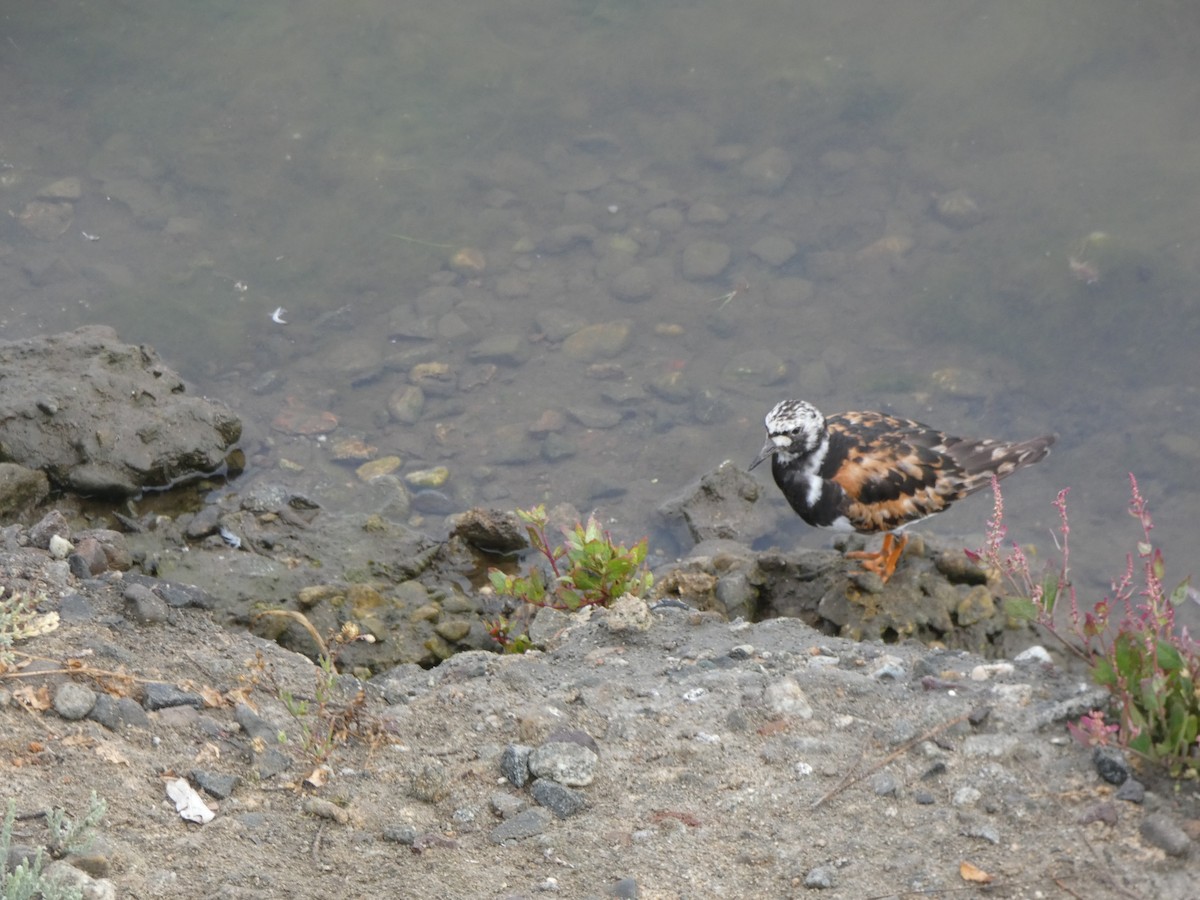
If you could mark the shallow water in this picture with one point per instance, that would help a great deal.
(331, 160)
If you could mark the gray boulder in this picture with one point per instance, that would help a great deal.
(102, 417)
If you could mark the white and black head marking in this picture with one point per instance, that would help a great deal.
(794, 428)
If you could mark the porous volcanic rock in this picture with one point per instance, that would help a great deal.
(102, 417)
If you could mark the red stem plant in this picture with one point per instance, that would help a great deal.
(1128, 640)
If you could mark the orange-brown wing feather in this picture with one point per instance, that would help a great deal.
(893, 471)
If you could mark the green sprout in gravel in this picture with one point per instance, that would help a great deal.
(27, 880)
(587, 569)
(1129, 642)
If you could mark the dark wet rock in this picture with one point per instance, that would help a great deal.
(562, 801)
(102, 417)
(160, 695)
(216, 784)
(1111, 764)
(490, 530)
(514, 764)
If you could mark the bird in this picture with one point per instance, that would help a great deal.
(871, 472)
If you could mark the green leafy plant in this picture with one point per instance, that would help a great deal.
(1129, 640)
(587, 569)
(27, 879)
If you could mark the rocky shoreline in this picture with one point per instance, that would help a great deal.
(648, 751)
(768, 724)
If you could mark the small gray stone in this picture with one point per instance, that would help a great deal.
(598, 417)
(996, 746)
(884, 785)
(755, 367)
(1131, 791)
(73, 701)
(633, 284)
(118, 714)
(253, 724)
(821, 878)
(786, 698)
(704, 213)
(1111, 764)
(573, 736)
(144, 606)
(216, 784)
(271, 762)
(768, 171)
(178, 596)
(507, 805)
(526, 824)
(774, 250)
(430, 783)
(562, 801)
(400, 833)
(564, 762)
(1160, 831)
(625, 889)
(75, 608)
(160, 695)
(502, 349)
(54, 522)
(405, 404)
(703, 260)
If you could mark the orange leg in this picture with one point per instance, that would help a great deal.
(882, 563)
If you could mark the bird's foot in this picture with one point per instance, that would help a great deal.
(883, 561)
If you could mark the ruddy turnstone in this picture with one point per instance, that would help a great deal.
(870, 472)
